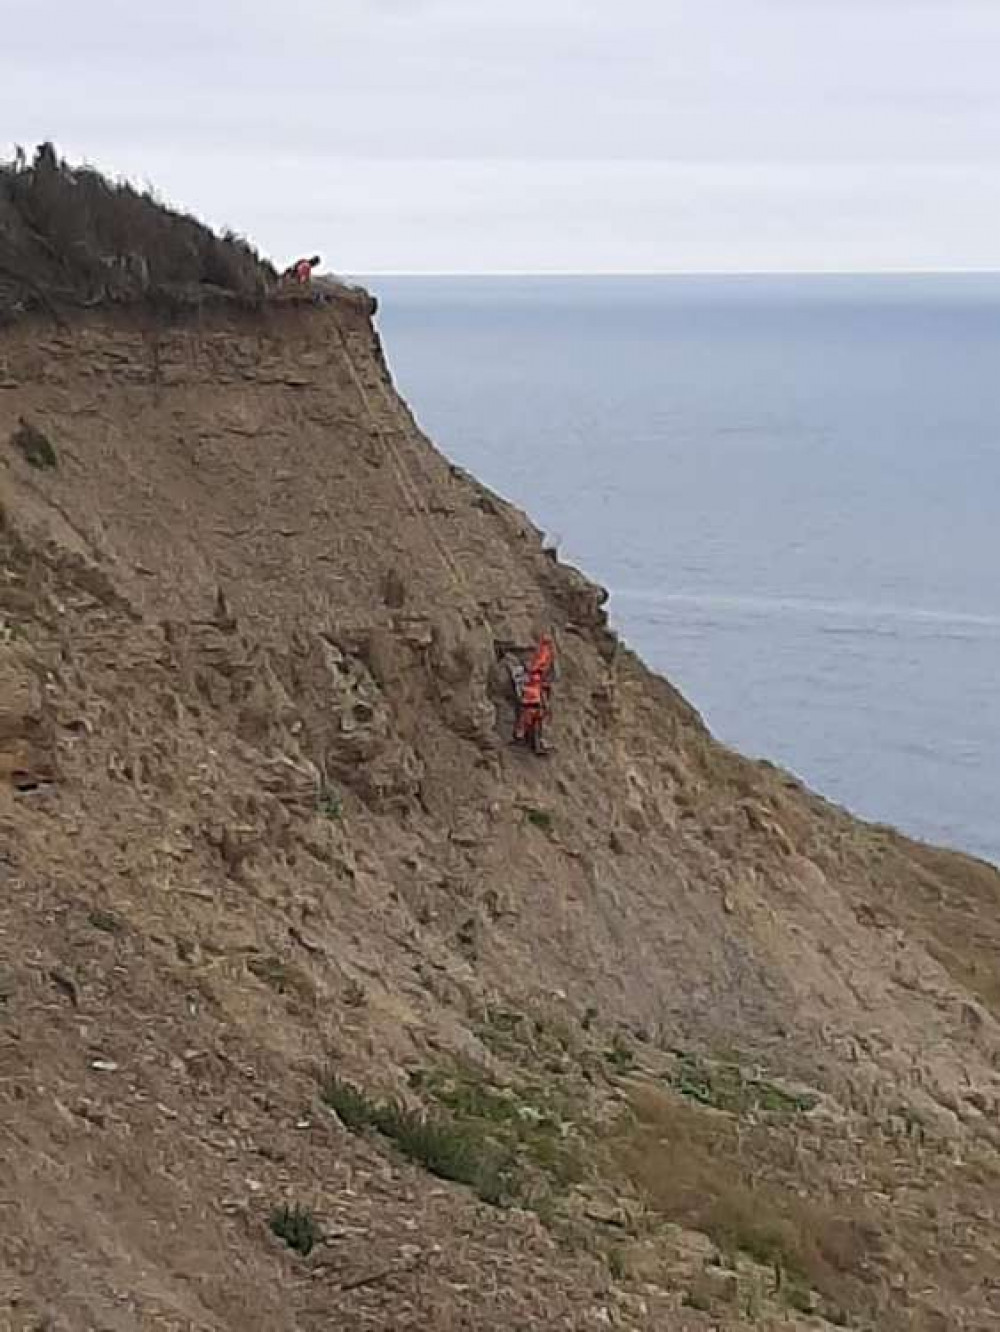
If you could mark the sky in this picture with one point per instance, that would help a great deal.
(537, 135)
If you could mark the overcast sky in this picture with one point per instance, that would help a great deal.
(538, 135)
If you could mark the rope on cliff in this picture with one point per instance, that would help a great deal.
(409, 489)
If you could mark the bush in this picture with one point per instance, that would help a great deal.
(329, 804)
(70, 236)
(296, 1226)
(33, 446)
(445, 1148)
(539, 818)
(355, 1110)
(617, 1266)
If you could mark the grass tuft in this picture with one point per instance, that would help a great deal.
(355, 1110)
(444, 1146)
(329, 805)
(539, 818)
(33, 446)
(724, 1086)
(296, 1226)
(696, 1170)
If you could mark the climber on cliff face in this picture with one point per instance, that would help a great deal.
(543, 663)
(534, 695)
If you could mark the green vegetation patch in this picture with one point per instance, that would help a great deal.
(296, 1226)
(725, 1086)
(498, 1141)
(533, 1126)
(329, 805)
(709, 1174)
(34, 446)
(538, 818)
(445, 1146)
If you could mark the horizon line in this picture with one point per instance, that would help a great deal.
(670, 272)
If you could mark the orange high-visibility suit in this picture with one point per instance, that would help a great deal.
(532, 702)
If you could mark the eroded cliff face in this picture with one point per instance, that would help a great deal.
(260, 821)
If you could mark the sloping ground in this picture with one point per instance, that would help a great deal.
(701, 1050)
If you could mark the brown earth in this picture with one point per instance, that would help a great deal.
(262, 835)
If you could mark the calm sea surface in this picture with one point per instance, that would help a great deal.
(791, 487)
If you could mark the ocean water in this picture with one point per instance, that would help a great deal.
(791, 487)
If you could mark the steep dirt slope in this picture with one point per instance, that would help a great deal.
(260, 824)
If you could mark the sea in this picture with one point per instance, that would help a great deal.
(790, 486)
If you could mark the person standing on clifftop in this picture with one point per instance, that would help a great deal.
(301, 271)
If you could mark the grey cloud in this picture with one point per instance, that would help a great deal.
(419, 102)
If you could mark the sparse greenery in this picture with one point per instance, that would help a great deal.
(702, 1172)
(620, 1055)
(539, 818)
(494, 1139)
(446, 1147)
(296, 1226)
(282, 976)
(799, 1298)
(354, 1109)
(530, 1125)
(34, 446)
(329, 805)
(106, 921)
(725, 1086)
(617, 1266)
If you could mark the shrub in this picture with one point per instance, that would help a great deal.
(539, 818)
(329, 804)
(620, 1055)
(33, 446)
(446, 1149)
(355, 1110)
(68, 235)
(296, 1226)
(617, 1265)
(107, 921)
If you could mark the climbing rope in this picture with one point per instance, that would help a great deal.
(409, 489)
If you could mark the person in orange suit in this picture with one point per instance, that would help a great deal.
(544, 660)
(301, 270)
(535, 692)
(531, 709)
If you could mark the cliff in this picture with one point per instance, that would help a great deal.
(641, 1034)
